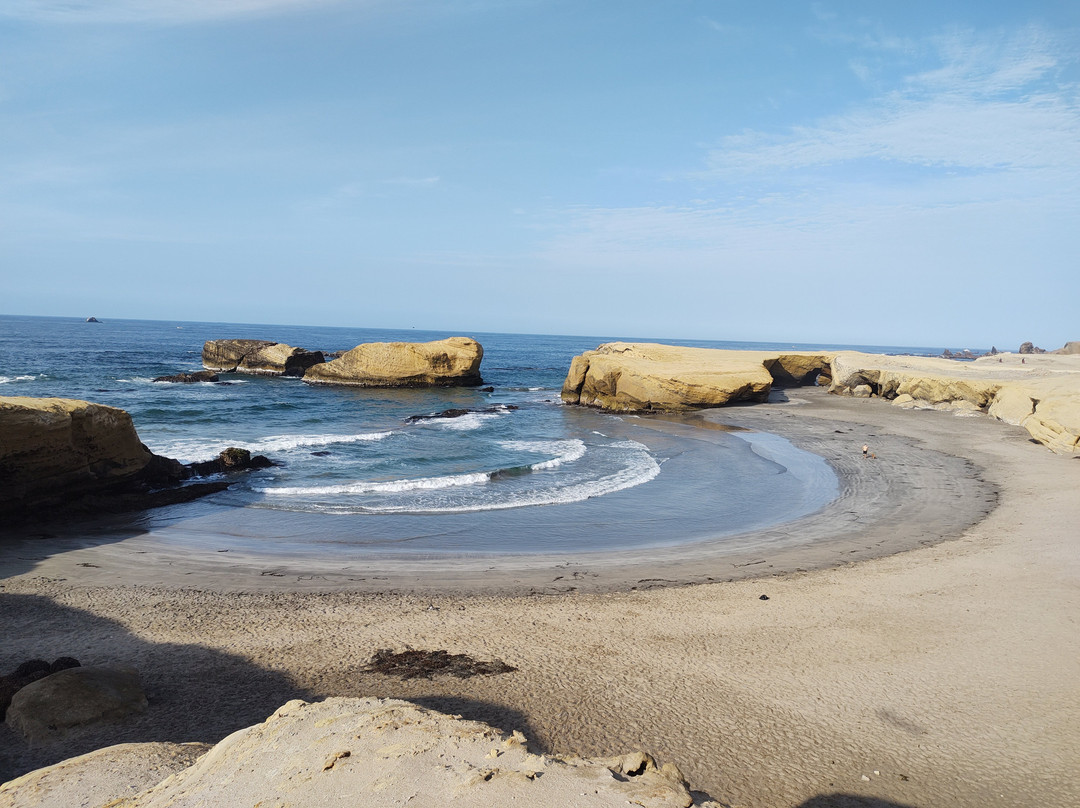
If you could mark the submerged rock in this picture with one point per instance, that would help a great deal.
(457, 413)
(190, 378)
(442, 363)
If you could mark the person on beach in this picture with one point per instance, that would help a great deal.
(865, 449)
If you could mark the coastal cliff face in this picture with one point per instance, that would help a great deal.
(635, 377)
(442, 363)
(374, 752)
(1039, 392)
(258, 357)
(63, 445)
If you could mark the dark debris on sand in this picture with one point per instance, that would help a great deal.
(413, 664)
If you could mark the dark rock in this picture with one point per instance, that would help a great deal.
(1029, 348)
(764, 597)
(322, 453)
(457, 413)
(32, 669)
(487, 389)
(92, 320)
(63, 663)
(232, 459)
(190, 378)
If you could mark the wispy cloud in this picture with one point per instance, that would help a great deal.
(990, 104)
(963, 168)
(152, 11)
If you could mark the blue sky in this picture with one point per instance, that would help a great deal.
(842, 172)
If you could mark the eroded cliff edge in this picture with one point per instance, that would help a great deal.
(1040, 393)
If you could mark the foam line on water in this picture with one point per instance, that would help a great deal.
(382, 487)
(188, 451)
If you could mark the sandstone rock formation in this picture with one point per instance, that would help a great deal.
(1039, 391)
(258, 356)
(75, 696)
(62, 456)
(101, 777)
(59, 444)
(1069, 348)
(442, 363)
(1040, 394)
(385, 752)
(631, 377)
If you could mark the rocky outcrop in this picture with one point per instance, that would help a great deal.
(73, 697)
(99, 778)
(636, 377)
(259, 357)
(1029, 348)
(384, 752)
(55, 445)
(1069, 348)
(442, 363)
(231, 459)
(1039, 392)
(61, 457)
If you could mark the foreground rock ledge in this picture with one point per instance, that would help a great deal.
(442, 363)
(1040, 393)
(377, 752)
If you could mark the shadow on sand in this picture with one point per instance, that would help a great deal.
(195, 693)
(849, 801)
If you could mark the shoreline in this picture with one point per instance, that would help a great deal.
(856, 525)
(942, 668)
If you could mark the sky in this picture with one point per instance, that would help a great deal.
(815, 172)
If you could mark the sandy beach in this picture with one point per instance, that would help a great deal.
(918, 645)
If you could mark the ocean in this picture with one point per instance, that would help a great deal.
(355, 472)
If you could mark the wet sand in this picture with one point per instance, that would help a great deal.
(918, 644)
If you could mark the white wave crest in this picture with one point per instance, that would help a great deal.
(385, 487)
(285, 443)
(9, 379)
(633, 466)
(191, 450)
(565, 451)
(463, 423)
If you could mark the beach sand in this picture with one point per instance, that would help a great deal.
(923, 650)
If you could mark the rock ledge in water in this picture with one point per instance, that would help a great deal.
(259, 357)
(442, 363)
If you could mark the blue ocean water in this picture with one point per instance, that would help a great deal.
(522, 473)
